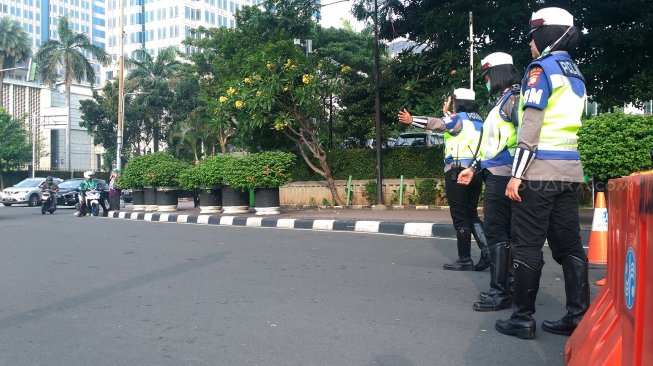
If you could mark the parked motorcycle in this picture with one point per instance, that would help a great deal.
(47, 204)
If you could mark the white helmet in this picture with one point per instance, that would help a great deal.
(495, 59)
(88, 174)
(464, 94)
(550, 16)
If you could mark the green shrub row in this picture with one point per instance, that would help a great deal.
(361, 164)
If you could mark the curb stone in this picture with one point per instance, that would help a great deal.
(417, 229)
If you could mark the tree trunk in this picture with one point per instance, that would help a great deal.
(324, 170)
(155, 138)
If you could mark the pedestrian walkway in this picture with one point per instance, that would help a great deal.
(433, 222)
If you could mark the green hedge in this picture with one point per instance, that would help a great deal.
(361, 164)
(615, 144)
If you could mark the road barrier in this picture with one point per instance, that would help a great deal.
(617, 329)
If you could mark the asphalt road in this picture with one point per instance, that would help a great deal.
(99, 291)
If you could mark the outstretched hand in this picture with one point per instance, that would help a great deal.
(446, 106)
(405, 117)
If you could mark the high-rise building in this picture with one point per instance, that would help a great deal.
(157, 24)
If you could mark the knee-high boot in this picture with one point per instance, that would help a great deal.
(481, 241)
(527, 282)
(464, 243)
(499, 297)
(577, 290)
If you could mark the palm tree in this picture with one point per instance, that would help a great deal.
(66, 55)
(14, 47)
(154, 74)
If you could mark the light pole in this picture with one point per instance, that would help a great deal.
(120, 128)
(377, 109)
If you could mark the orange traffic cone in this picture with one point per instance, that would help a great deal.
(598, 248)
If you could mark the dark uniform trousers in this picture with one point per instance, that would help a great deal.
(496, 209)
(548, 211)
(463, 200)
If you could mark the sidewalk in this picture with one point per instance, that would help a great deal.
(434, 222)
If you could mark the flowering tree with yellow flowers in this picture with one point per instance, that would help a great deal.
(282, 93)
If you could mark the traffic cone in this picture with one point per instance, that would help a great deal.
(598, 247)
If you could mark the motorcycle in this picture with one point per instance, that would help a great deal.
(47, 204)
(92, 202)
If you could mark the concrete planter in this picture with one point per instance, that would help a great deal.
(138, 203)
(167, 198)
(210, 200)
(234, 201)
(150, 198)
(266, 201)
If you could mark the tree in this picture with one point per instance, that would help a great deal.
(67, 54)
(14, 149)
(153, 74)
(14, 47)
(440, 29)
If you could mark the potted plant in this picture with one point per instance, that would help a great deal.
(132, 178)
(207, 177)
(162, 174)
(265, 173)
(235, 191)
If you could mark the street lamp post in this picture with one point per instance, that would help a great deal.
(121, 127)
(377, 109)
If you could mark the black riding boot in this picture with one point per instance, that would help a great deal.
(527, 282)
(577, 290)
(481, 241)
(464, 262)
(499, 297)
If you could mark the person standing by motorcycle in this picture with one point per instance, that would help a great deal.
(85, 185)
(53, 187)
(462, 136)
(114, 191)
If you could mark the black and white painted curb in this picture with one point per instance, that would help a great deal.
(398, 228)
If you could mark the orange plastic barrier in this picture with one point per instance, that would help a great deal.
(616, 329)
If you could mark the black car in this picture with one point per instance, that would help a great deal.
(68, 193)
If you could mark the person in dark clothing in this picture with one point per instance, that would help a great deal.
(462, 137)
(546, 176)
(495, 163)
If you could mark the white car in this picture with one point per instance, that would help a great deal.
(26, 191)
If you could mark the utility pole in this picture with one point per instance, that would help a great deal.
(121, 85)
(471, 51)
(377, 108)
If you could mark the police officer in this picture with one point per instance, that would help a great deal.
(498, 145)
(461, 138)
(546, 175)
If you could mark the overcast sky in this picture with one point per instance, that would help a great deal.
(331, 14)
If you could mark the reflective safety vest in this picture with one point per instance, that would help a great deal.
(463, 146)
(559, 134)
(499, 136)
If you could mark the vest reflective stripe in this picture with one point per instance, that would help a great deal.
(462, 147)
(559, 134)
(499, 137)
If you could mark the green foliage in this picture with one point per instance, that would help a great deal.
(15, 46)
(152, 170)
(426, 191)
(613, 144)
(361, 163)
(261, 170)
(394, 198)
(14, 149)
(369, 192)
(210, 172)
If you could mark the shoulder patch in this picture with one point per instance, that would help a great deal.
(534, 76)
(569, 68)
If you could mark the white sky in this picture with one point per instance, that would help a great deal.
(331, 14)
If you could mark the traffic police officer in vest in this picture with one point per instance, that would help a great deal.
(546, 176)
(497, 150)
(462, 133)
